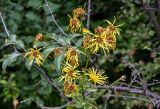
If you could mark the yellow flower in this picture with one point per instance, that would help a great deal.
(79, 12)
(112, 28)
(96, 76)
(74, 25)
(70, 88)
(70, 73)
(35, 55)
(99, 42)
(72, 56)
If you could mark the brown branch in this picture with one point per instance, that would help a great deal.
(5, 27)
(88, 13)
(124, 96)
(54, 20)
(158, 4)
(44, 107)
(49, 80)
(153, 96)
(59, 107)
(152, 16)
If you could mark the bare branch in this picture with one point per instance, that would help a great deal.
(125, 96)
(5, 27)
(44, 107)
(88, 13)
(60, 107)
(49, 80)
(152, 16)
(154, 98)
(54, 20)
(158, 3)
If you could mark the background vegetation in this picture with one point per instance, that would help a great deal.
(138, 44)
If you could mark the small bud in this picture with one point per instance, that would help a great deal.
(39, 37)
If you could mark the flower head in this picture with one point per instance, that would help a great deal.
(72, 56)
(70, 88)
(79, 12)
(112, 28)
(70, 74)
(34, 54)
(97, 43)
(96, 76)
(74, 25)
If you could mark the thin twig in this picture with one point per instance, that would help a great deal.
(125, 96)
(158, 3)
(54, 20)
(152, 16)
(44, 107)
(59, 107)
(5, 27)
(151, 84)
(49, 80)
(88, 13)
(130, 90)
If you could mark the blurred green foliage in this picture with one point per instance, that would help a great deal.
(25, 18)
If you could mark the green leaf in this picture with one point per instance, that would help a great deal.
(9, 59)
(13, 38)
(34, 75)
(58, 61)
(30, 15)
(59, 39)
(20, 43)
(39, 101)
(35, 3)
(44, 83)
(79, 43)
(45, 90)
(27, 64)
(71, 107)
(3, 82)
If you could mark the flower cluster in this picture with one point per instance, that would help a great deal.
(76, 80)
(102, 38)
(69, 72)
(75, 24)
(71, 75)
